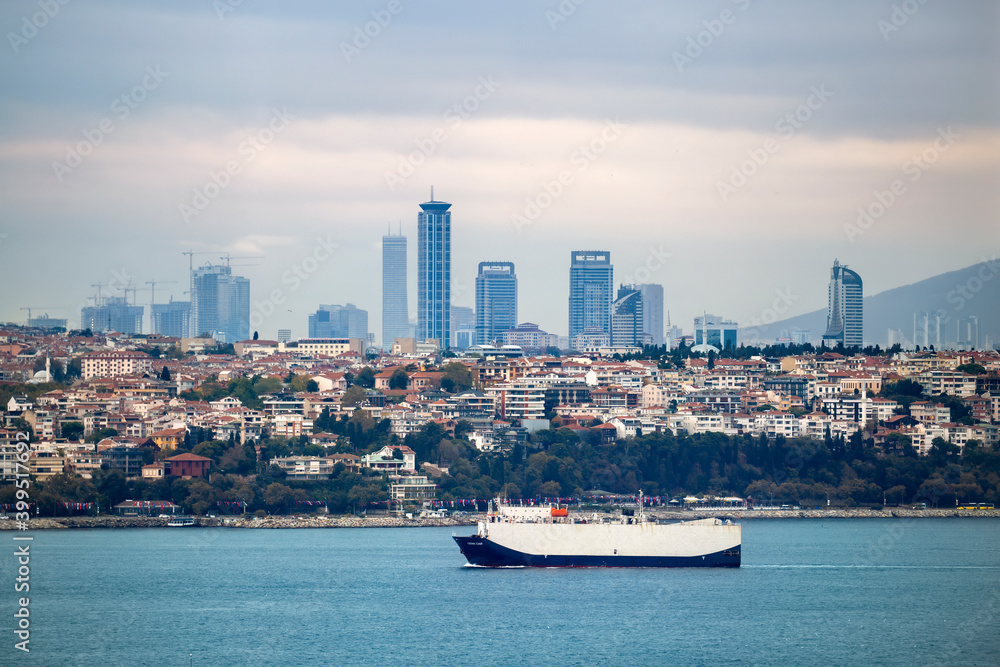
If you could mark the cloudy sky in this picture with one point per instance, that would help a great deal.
(722, 149)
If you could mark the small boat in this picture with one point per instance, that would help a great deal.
(181, 521)
(545, 536)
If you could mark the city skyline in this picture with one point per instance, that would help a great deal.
(691, 164)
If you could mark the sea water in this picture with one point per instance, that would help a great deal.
(810, 592)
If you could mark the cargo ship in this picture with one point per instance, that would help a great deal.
(546, 536)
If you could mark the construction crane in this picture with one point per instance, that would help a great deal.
(30, 308)
(97, 299)
(227, 258)
(154, 283)
(152, 300)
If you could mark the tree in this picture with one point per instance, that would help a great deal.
(354, 396)
(456, 377)
(255, 335)
(399, 379)
(365, 378)
(165, 374)
(72, 430)
(312, 386)
(972, 368)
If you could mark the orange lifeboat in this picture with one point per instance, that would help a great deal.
(556, 511)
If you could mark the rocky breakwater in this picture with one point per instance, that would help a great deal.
(299, 521)
(345, 522)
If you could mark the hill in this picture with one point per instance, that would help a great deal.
(950, 298)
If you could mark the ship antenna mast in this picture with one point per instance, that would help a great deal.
(642, 510)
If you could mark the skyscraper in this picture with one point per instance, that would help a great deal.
(627, 316)
(845, 314)
(652, 312)
(591, 289)
(221, 303)
(496, 301)
(395, 316)
(434, 272)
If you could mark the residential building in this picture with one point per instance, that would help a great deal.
(112, 313)
(172, 319)
(845, 310)
(187, 465)
(114, 363)
(591, 288)
(415, 488)
(529, 337)
(434, 272)
(395, 313)
(330, 347)
(305, 467)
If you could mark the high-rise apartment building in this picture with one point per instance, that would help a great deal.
(112, 313)
(496, 301)
(395, 314)
(172, 319)
(591, 289)
(627, 317)
(434, 272)
(652, 312)
(845, 313)
(221, 303)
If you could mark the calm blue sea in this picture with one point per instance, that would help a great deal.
(810, 592)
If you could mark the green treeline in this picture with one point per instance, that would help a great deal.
(559, 463)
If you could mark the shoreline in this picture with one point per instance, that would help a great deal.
(327, 521)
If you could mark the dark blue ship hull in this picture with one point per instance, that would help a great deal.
(482, 552)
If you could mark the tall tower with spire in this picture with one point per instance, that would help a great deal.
(434, 272)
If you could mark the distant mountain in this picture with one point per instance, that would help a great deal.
(951, 298)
